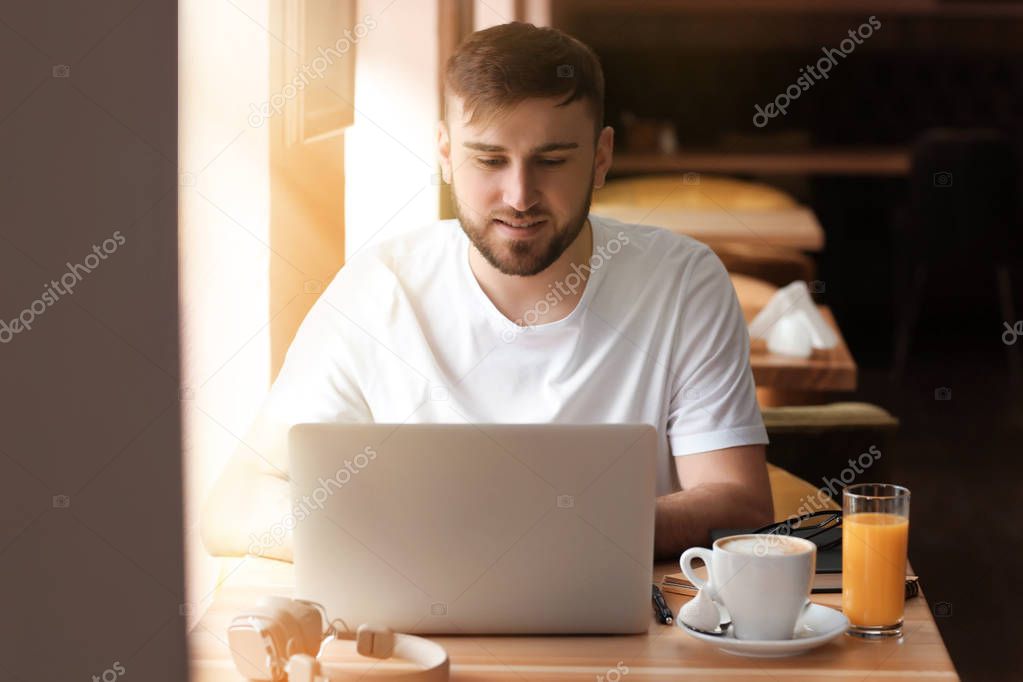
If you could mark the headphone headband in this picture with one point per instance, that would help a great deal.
(281, 637)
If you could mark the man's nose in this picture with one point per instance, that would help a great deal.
(520, 191)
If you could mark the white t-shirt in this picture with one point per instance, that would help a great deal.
(405, 334)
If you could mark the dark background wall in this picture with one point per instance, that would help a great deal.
(91, 569)
(704, 66)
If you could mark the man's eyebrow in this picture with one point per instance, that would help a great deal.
(542, 149)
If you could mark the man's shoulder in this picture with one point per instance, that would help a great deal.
(661, 268)
(432, 240)
(651, 248)
(419, 248)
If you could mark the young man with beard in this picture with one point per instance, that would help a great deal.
(525, 309)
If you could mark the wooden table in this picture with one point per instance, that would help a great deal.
(825, 370)
(786, 380)
(795, 228)
(663, 653)
(883, 161)
(712, 209)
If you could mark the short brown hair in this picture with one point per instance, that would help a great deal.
(501, 66)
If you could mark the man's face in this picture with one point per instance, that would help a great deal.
(522, 183)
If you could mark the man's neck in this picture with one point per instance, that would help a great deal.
(542, 298)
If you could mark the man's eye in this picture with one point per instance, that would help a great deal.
(491, 162)
(551, 162)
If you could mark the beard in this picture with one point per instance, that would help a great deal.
(523, 257)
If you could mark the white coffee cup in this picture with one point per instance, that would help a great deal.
(763, 580)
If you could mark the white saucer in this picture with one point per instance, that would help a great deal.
(818, 625)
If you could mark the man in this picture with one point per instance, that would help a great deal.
(525, 309)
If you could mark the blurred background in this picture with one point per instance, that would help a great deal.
(247, 148)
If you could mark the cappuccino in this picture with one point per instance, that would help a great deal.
(740, 567)
(763, 545)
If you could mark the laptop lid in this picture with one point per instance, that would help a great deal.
(476, 529)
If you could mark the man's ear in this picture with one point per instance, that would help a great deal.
(603, 157)
(444, 151)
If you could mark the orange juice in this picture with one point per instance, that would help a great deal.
(874, 568)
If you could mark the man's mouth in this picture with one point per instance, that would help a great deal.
(524, 226)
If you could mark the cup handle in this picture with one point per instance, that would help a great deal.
(685, 562)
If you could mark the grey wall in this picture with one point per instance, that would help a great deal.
(91, 569)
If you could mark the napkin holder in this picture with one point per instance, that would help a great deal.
(791, 323)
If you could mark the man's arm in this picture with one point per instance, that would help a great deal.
(249, 510)
(726, 488)
(245, 513)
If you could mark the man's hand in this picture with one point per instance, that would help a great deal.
(720, 489)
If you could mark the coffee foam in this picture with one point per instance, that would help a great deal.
(763, 545)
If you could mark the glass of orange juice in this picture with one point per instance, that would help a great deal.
(875, 535)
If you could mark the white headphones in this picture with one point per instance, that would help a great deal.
(283, 638)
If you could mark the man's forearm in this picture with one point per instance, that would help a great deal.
(685, 518)
(248, 514)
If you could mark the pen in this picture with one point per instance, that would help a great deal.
(661, 609)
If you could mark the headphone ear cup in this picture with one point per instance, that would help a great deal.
(291, 638)
(302, 622)
(303, 668)
(310, 624)
(285, 629)
(247, 636)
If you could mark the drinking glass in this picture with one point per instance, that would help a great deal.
(875, 535)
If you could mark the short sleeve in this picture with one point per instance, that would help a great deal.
(316, 383)
(713, 398)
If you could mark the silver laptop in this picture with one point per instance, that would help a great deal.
(476, 529)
